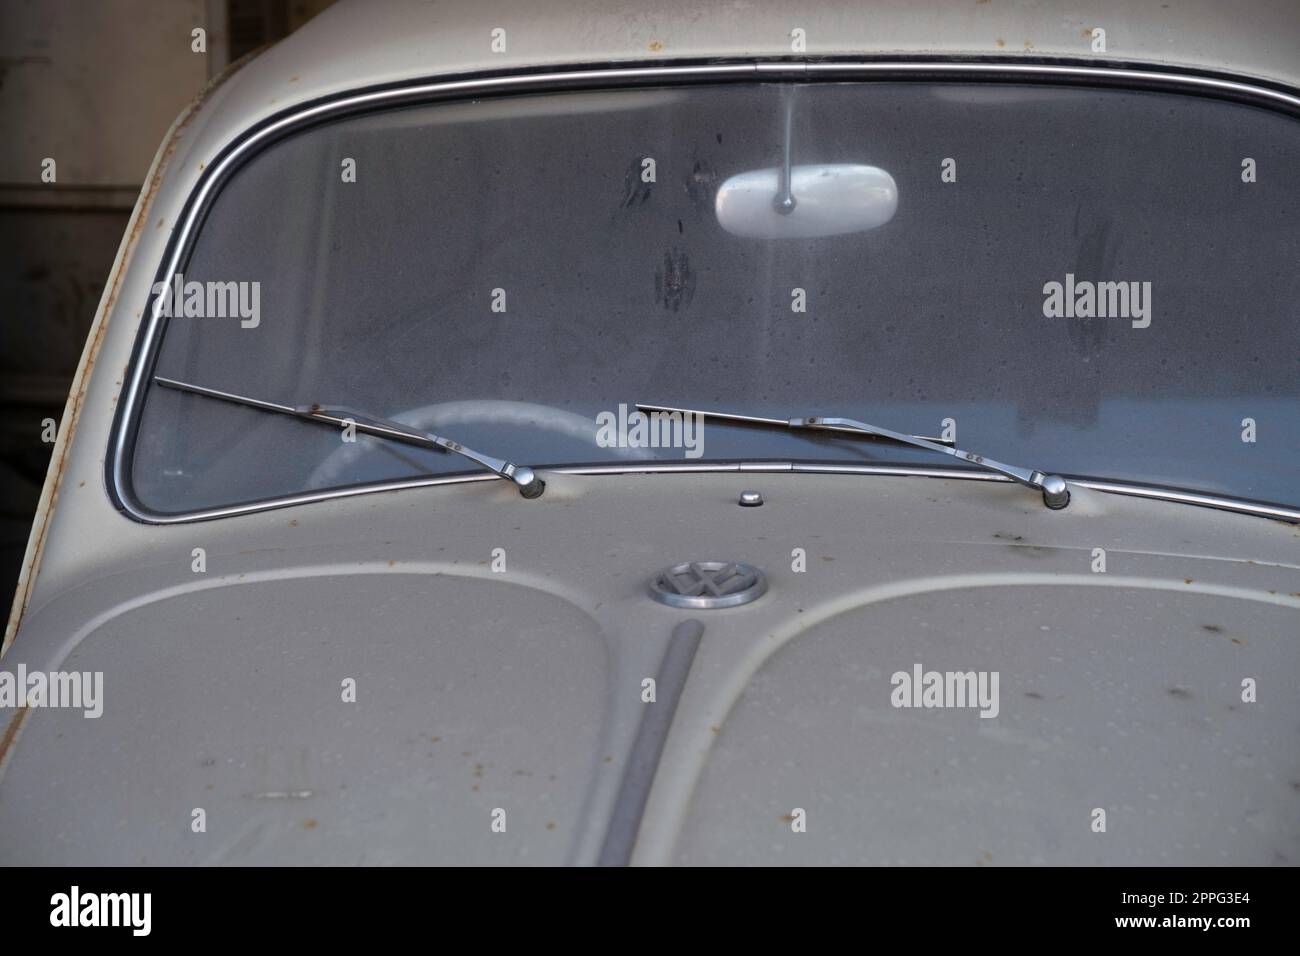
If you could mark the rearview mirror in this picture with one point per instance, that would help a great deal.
(823, 200)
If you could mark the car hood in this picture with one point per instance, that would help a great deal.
(456, 675)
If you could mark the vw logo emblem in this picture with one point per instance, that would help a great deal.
(708, 584)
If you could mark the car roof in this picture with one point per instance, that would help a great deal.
(356, 44)
(363, 42)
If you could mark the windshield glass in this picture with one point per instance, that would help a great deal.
(1097, 282)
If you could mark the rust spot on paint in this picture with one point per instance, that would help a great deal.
(11, 733)
(81, 380)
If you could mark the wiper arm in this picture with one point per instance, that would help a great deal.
(523, 477)
(1056, 494)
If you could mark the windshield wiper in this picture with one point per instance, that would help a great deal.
(523, 477)
(1056, 494)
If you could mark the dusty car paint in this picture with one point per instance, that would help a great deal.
(374, 579)
(90, 353)
(70, 591)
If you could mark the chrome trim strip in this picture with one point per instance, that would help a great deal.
(1194, 498)
(126, 420)
(1209, 84)
(831, 468)
(1236, 505)
(648, 746)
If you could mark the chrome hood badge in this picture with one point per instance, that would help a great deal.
(703, 585)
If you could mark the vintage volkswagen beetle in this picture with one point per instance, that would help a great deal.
(417, 249)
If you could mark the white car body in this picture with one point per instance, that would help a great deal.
(521, 690)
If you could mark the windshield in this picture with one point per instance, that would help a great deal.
(1098, 282)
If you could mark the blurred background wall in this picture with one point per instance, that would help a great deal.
(94, 85)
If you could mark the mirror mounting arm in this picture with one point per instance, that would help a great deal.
(785, 201)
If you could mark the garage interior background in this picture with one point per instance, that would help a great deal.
(95, 86)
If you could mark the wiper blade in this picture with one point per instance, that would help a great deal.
(1056, 494)
(523, 477)
(785, 423)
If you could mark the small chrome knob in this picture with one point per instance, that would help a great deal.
(1056, 494)
(750, 499)
(528, 483)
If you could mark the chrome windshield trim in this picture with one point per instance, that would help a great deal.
(1156, 75)
(1238, 506)
(126, 418)
(1259, 509)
